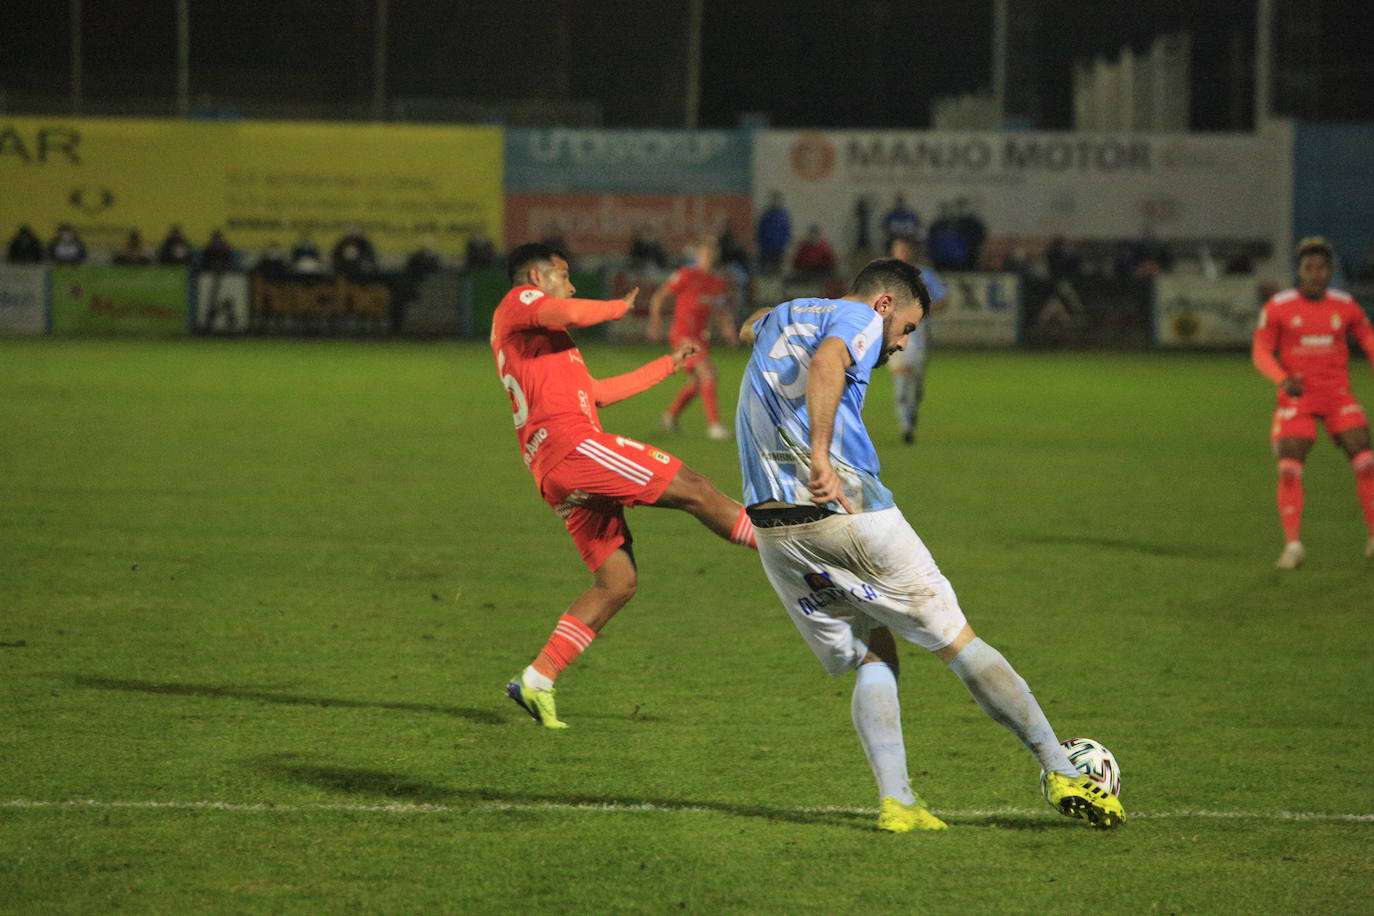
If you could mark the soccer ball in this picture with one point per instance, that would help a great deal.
(1094, 761)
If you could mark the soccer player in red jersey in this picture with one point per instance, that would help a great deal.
(586, 475)
(699, 295)
(1308, 326)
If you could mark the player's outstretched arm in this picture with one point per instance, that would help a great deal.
(824, 388)
(746, 331)
(654, 331)
(619, 387)
(582, 313)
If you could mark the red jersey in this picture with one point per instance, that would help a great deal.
(553, 396)
(1310, 337)
(695, 293)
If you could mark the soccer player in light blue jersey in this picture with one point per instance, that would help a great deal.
(908, 365)
(848, 568)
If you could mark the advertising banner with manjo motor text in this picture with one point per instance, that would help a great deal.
(1038, 185)
(260, 182)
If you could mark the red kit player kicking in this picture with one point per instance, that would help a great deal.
(1307, 326)
(586, 475)
(699, 295)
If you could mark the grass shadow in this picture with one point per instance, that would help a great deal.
(397, 787)
(231, 692)
(1134, 546)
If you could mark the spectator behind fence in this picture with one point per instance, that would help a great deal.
(305, 257)
(272, 263)
(175, 248)
(134, 252)
(218, 254)
(733, 255)
(815, 258)
(66, 247)
(353, 255)
(423, 261)
(25, 247)
(481, 251)
(944, 245)
(646, 251)
(971, 229)
(774, 235)
(901, 220)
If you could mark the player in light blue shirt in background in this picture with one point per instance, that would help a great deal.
(848, 568)
(908, 365)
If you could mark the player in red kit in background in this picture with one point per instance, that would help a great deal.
(586, 475)
(700, 294)
(1308, 326)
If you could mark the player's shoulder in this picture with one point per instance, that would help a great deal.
(1282, 298)
(519, 296)
(1340, 296)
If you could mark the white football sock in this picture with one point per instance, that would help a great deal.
(535, 680)
(878, 720)
(1004, 696)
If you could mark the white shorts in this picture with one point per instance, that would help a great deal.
(844, 575)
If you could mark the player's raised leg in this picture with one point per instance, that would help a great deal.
(614, 585)
(694, 493)
(1291, 452)
(1007, 699)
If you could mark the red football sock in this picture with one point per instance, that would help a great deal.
(684, 396)
(743, 532)
(1363, 465)
(708, 401)
(570, 638)
(1290, 497)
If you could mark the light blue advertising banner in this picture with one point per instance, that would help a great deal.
(632, 161)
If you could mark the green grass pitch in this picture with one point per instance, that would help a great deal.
(259, 599)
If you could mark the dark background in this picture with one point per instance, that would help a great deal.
(622, 62)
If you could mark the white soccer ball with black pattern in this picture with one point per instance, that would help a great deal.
(1093, 760)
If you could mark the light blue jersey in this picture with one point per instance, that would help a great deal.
(771, 423)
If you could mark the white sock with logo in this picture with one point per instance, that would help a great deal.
(878, 720)
(1007, 698)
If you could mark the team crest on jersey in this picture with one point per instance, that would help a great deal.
(658, 456)
(1335, 322)
(530, 295)
(1296, 322)
(860, 344)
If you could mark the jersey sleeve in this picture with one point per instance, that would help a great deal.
(1262, 348)
(619, 387)
(934, 285)
(1364, 333)
(861, 329)
(537, 310)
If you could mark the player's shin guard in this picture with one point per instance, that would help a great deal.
(570, 639)
(708, 401)
(1290, 498)
(877, 718)
(743, 532)
(1363, 466)
(1007, 699)
(683, 398)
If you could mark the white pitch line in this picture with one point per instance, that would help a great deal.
(623, 807)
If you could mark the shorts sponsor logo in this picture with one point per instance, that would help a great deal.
(1285, 413)
(530, 295)
(658, 456)
(1352, 408)
(825, 593)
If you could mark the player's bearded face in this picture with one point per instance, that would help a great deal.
(897, 324)
(1314, 275)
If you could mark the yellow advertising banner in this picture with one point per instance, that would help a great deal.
(258, 181)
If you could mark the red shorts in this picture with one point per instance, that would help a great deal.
(591, 487)
(703, 349)
(1297, 417)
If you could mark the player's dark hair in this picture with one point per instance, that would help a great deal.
(1315, 244)
(889, 275)
(529, 253)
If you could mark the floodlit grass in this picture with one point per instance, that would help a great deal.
(258, 600)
